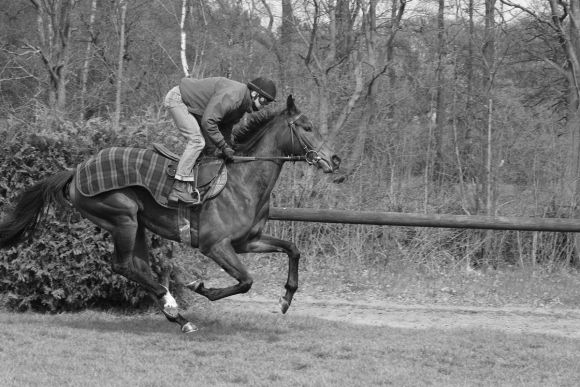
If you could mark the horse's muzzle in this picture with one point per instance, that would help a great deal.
(328, 164)
(335, 162)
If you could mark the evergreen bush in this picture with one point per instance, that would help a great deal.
(66, 265)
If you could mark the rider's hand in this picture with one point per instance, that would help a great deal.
(228, 154)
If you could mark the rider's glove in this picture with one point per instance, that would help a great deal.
(228, 154)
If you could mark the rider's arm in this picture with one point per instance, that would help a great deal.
(250, 123)
(218, 107)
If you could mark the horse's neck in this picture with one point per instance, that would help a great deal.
(263, 174)
(265, 144)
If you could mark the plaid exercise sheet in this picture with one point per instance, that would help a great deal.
(117, 167)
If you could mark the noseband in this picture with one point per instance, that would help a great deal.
(311, 156)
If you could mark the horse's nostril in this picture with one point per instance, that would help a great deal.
(335, 161)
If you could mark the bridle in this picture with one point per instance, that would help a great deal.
(311, 156)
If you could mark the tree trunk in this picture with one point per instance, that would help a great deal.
(572, 48)
(572, 173)
(54, 30)
(286, 29)
(440, 97)
(389, 52)
(379, 65)
(488, 71)
(117, 115)
(370, 109)
(183, 35)
(197, 69)
(87, 59)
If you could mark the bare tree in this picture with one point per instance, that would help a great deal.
(123, 13)
(87, 58)
(379, 61)
(440, 107)
(54, 36)
(183, 34)
(564, 22)
(489, 61)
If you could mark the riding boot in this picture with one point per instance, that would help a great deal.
(180, 194)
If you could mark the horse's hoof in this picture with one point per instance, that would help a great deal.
(284, 305)
(188, 328)
(195, 285)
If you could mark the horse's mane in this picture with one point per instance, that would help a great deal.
(250, 126)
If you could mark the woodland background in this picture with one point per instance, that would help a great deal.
(448, 106)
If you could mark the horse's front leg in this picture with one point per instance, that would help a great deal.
(225, 256)
(268, 244)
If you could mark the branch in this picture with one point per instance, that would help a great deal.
(45, 60)
(532, 14)
(397, 21)
(358, 75)
(270, 15)
(313, 34)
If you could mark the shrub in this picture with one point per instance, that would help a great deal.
(66, 266)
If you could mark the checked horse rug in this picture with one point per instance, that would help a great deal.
(152, 169)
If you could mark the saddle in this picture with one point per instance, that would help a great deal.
(210, 179)
(210, 173)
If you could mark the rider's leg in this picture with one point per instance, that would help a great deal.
(189, 128)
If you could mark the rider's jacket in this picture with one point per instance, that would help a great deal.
(217, 103)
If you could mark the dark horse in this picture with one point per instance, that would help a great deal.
(229, 224)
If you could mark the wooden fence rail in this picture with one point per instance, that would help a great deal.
(424, 220)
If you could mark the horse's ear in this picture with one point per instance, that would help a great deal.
(290, 106)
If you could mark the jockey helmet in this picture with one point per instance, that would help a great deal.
(265, 87)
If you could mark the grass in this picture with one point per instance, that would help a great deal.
(409, 282)
(259, 349)
(263, 349)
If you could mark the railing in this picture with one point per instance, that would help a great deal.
(424, 220)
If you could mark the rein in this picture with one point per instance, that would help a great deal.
(270, 158)
(311, 156)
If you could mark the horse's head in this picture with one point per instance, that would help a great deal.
(304, 139)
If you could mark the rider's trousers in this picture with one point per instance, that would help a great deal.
(189, 128)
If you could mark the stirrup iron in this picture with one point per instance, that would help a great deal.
(196, 196)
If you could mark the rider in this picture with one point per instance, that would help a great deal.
(215, 104)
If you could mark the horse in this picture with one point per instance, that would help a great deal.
(229, 224)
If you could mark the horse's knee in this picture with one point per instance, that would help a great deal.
(121, 268)
(126, 269)
(246, 284)
(293, 252)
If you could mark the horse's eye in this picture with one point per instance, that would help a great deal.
(307, 127)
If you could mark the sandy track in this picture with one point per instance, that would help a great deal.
(518, 320)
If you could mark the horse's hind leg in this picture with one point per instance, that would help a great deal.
(224, 255)
(143, 265)
(124, 239)
(268, 244)
(117, 213)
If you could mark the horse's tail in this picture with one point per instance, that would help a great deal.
(30, 207)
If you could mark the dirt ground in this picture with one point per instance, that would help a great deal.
(545, 320)
(374, 308)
